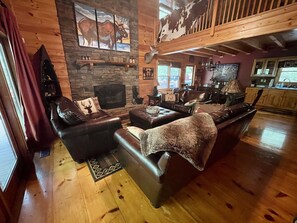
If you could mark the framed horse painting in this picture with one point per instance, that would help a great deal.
(86, 25)
(122, 33)
(106, 30)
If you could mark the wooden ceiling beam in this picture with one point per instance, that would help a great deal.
(253, 42)
(192, 53)
(240, 47)
(210, 52)
(278, 40)
(222, 49)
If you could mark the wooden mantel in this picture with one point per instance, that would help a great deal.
(276, 20)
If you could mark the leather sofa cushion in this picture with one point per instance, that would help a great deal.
(69, 112)
(229, 112)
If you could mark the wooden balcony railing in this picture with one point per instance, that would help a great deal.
(220, 12)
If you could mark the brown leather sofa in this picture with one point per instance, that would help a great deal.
(162, 174)
(84, 136)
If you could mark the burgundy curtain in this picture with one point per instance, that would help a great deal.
(38, 129)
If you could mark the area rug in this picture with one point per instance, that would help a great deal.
(104, 165)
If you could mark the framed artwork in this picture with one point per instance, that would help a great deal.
(148, 73)
(106, 30)
(226, 72)
(122, 33)
(86, 25)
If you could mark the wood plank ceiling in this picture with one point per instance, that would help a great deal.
(283, 40)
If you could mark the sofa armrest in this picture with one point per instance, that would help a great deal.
(92, 125)
(129, 144)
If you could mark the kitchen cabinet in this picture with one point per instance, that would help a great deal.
(250, 94)
(289, 100)
(264, 67)
(274, 98)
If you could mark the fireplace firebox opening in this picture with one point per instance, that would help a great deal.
(111, 96)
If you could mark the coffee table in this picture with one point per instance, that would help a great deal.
(140, 118)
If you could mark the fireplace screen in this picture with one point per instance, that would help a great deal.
(111, 96)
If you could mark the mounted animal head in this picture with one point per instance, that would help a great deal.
(148, 57)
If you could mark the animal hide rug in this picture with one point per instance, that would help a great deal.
(192, 138)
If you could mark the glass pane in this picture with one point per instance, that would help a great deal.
(166, 2)
(259, 67)
(11, 84)
(270, 67)
(163, 76)
(288, 74)
(174, 77)
(189, 75)
(7, 156)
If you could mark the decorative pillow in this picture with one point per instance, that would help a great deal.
(89, 105)
(69, 112)
(135, 131)
(170, 97)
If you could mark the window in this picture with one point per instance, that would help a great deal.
(9, 77)
(166, 7)
(168, 76)
(287, 75)
(189, 75)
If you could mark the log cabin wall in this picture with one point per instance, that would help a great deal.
(38, 24)
(147, 21)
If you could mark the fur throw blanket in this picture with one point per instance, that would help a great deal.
(192, 138)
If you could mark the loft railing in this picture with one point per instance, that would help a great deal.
(220, 12)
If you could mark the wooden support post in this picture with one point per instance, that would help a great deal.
(214, 17)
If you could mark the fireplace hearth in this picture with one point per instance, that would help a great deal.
(111, 96)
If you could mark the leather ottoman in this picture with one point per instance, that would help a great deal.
(140, 118)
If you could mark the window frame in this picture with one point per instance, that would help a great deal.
(193, 74)
(11, 81)
(169, 74)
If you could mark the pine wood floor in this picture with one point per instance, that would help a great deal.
(254, 183)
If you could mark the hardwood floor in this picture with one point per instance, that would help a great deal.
(254, 183)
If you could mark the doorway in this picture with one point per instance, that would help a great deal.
(14, 156)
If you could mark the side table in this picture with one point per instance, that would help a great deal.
(154, 99)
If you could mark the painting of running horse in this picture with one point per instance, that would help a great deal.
(96, 28)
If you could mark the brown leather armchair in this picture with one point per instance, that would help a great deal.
(162, 174)
(89, 137)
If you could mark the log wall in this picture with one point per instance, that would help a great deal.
(38, 24)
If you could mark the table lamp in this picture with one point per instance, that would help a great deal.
(231, 89)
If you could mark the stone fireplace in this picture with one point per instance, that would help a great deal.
(111, 95)
(83, 80)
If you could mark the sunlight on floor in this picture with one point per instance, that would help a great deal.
(273, 138)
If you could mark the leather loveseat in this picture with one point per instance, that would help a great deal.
(161, 174)
(84, 136)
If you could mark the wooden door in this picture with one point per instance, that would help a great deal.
(250, 94)
(290, 100)
(274, 99)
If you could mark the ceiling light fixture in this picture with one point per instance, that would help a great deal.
(210, 66)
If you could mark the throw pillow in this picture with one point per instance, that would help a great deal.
(135, 131)
(88, 105)
(69, 112)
